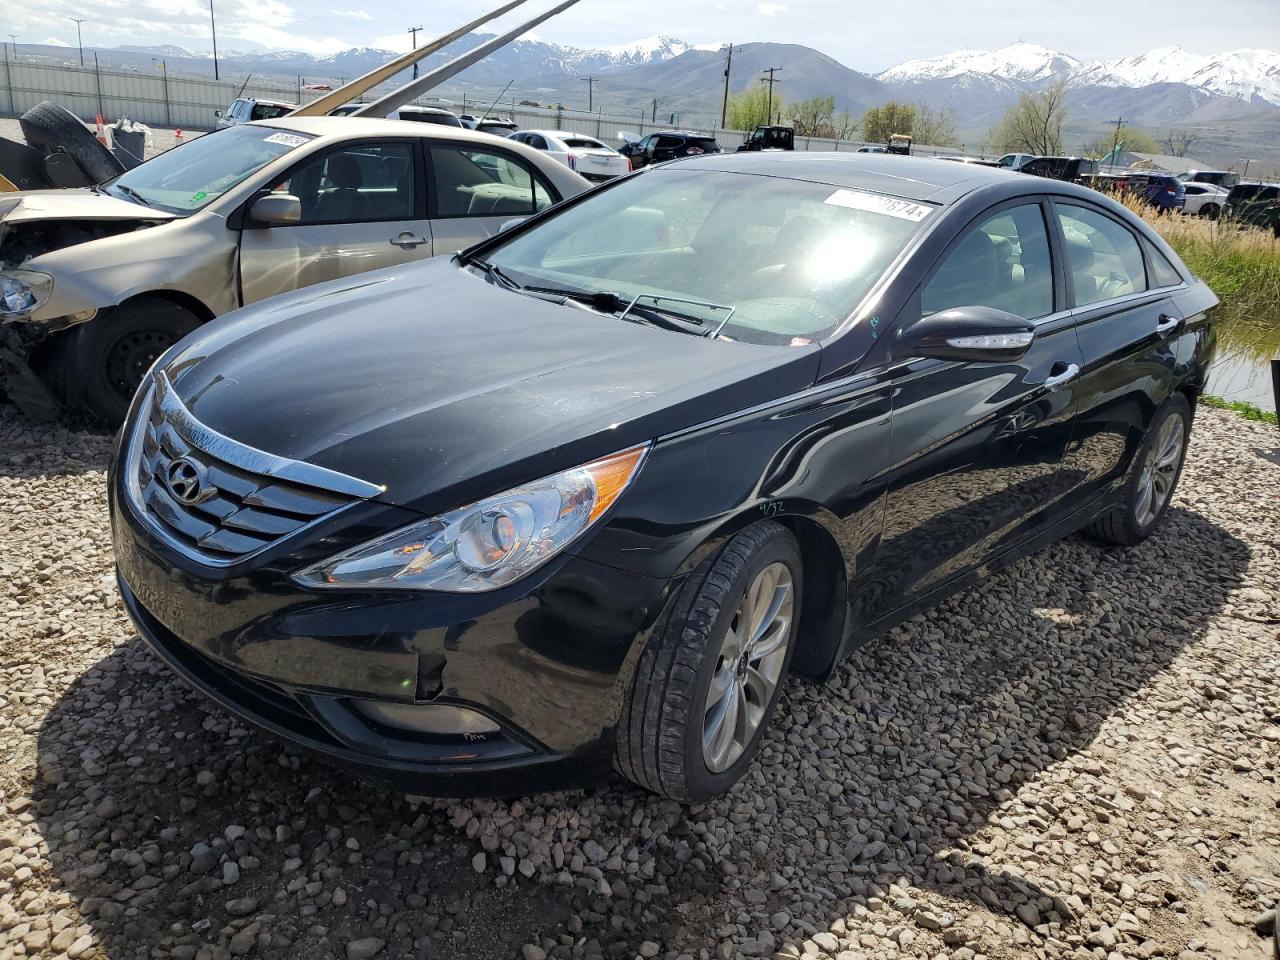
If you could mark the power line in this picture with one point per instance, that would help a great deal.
(413, 33)
(79, 43)
(213, 30)
(724, 110)
(770, 71)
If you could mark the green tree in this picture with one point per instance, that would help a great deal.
(1034, 123)
(1129, 138)
(812, 117)
(750, 108)
(892, 117)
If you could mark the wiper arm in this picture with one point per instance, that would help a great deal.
(133, 193)
(711, 333)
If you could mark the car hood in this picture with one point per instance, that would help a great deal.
(76, 204)
(443, 387)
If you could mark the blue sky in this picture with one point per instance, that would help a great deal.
(866, 36)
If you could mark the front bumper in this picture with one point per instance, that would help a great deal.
(549, 660)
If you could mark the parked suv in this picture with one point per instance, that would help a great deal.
(1071, 169)
(1219, 178)
(667, 145)
(1255, 205)
(245, 109)
(1160, 190)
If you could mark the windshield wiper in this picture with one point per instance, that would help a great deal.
(129, 191)
(601, 300)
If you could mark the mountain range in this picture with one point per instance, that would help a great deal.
(1230, 100)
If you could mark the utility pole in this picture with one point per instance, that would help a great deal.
(213, 30)
(14, 38)
(770, 71)
(1119, 122)
(79, 43)
(591, 87)
(724, 110)
(413, 33)
(653, 117)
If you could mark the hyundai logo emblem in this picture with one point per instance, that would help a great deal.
(188, 481)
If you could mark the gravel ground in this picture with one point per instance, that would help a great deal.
(159, 141)
(1078, 759)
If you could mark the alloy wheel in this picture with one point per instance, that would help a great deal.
(748, 667)
(1160, 471)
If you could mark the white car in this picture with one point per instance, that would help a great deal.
(1204, 200)
(1014, 161)
(587, 155)
(872, 149)
(247, 109)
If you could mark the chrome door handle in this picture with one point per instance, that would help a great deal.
(1058, 379)
(1168, 324)
(407, 240)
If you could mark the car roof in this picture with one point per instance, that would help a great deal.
(347, 127)
(913, 178)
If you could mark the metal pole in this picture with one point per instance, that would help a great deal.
(591, 87)
(8, 81)
(433, 78)
(724, 110)
(413, 35)
(1275, 382)
(97, 74)
(213, 29)
(79, 41)
(168, 110)
(322, 105)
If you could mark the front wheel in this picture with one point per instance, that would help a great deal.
(100, 363)
(707, 682)
(1156, 470)
(1210, 211)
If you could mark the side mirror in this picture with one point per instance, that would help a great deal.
(513, 222)
(973, 334)
(275, 210)
(218, 114)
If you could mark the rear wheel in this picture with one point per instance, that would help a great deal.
(707, 683)
(100, 363)
(1211, 211)
(1154, 476)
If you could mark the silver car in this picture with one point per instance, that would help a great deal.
(95, 283)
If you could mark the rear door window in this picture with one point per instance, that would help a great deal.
(1103, 256)
(1163, 273)
(473, 182)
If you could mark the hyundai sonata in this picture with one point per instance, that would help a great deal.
(582, 497)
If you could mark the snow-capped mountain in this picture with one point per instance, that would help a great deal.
(1024, 62)
(1248, 75)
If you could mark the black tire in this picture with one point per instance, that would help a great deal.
(1122, 526)
(1211, 211)
(98, 365)
(660, 732)
(47, 126)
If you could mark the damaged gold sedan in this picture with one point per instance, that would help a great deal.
(97, 282)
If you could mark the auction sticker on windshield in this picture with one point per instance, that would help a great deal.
(286, 139)
(876, 203)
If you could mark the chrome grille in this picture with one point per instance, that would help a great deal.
(243, 500)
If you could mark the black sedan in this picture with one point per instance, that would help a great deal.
(582, 497)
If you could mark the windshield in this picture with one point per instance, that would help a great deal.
(187, 178)
(792, 258)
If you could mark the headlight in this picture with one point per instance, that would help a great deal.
(487, 544)
(21, 291)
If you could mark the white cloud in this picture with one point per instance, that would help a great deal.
(53, 42)
(769, 9)
(352, 14)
